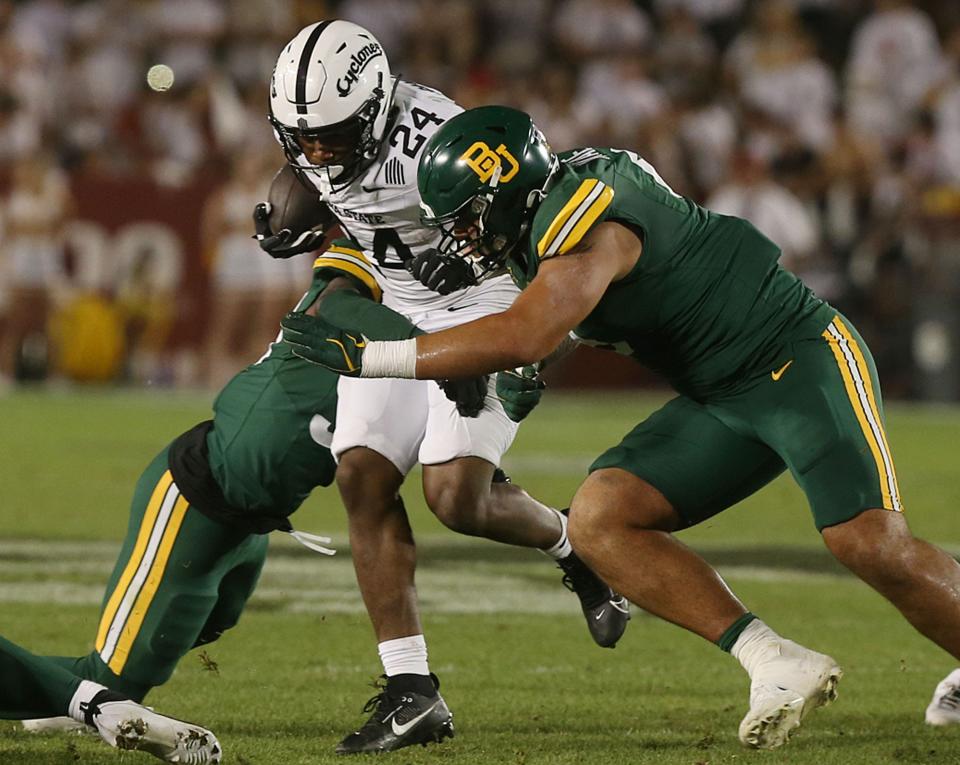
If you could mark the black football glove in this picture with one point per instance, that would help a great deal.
(284, 243)
(519, 391)
(443, 273)
(468, 394)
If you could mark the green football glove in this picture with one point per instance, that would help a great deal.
(320, 342)
(520, 391)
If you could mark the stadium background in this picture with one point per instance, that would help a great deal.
(834, 125)
(125, 254)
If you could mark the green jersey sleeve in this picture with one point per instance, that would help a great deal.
(344, 257)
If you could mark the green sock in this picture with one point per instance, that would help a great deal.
(728, 638)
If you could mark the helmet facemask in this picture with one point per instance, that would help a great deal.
(465, 233)
(354, 138)
(331, 100)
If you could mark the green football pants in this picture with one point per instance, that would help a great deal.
(817, 412)
(32, 686)
(181, 580)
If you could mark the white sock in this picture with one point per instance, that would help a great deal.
(85, 692)
(406, 655)
(561, 549)
(754, 645)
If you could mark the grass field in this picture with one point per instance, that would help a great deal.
(519, 671)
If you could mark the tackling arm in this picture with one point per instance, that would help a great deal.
(564, 292)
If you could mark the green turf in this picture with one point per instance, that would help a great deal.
(525, 688)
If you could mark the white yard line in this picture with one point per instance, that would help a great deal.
(74, 573)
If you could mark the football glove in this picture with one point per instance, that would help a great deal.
(469, 394)
(443, 273)
(283, 244)
(519, 391)
(320, 342)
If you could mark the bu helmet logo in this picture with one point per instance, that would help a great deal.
(484, 161)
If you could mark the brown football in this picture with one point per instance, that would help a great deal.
(294, 206)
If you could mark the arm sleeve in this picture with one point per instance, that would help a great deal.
(346, 308)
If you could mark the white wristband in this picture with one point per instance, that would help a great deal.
(390, 358)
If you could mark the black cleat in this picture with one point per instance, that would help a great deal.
(607, 612)
(400, 719)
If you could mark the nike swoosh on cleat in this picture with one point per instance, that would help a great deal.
(399, 730)
(599, 616)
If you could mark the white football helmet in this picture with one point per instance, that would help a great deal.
(332, 83)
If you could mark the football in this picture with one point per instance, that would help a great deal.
(293, 206)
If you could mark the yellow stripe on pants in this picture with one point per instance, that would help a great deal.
(856, 380)
(146, 529)
(149, 590)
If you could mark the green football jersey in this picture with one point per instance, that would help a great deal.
(706, 303)
(273, 422)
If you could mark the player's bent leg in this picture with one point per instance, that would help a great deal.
(619, 525)
(944, 707)
(463, 494)
(164, 587)
(921, 580)
(235, 590)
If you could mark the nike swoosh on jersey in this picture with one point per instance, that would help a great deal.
(399, 730)
(371, 189)
(461, 307)
(777, 374)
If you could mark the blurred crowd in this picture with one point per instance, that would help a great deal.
(833, 125)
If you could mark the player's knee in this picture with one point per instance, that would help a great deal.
(457, 506)
(366, 480)
(874, 544)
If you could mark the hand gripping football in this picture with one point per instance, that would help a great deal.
(295, 207)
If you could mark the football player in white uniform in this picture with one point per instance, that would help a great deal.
(356, 133)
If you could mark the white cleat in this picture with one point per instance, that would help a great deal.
(127, 725)
(944, 708)
(784, 689)
(54, 725)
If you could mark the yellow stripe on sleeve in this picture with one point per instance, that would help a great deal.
(350, 251)
(140, 547)
(565, 212)
(342, 264)
(587, 219)
(149, 590)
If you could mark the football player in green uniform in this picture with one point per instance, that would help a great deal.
(32, 686)
(769, 378)
(202, 509)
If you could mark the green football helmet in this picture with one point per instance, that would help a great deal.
(481, 177)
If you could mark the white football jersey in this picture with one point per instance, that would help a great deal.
(380, 210)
